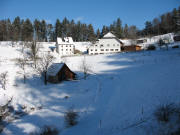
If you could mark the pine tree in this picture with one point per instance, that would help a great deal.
(148, 28)
(65, 28)
(104, 31)
(50, 32)
(125, 31)
(118, 28)
(3, 30)
(37, 29)
(27, 31)
(16, 28)
(58, 29)
(91, 34)
(43, 31)
(9, 29)
(98, 34)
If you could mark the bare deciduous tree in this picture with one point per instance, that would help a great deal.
(85, 68)
(4, 79)
(43, 65)
(34, 49)
(22, 62)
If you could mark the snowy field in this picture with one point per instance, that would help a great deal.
(117, 98)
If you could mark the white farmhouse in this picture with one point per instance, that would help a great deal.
(65, 46)
(108, 44)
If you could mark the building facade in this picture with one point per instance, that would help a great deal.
(65, 46)
(108, 44)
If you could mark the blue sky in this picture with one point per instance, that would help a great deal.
(97, 12)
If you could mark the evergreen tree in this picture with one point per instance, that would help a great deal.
(104, 31)
(50, 32)
(65, 28)
(91, 34)
(9, 29)
(37, 29)
(27, 31)
(3, 30)
(58, 29)
(125, 31)
(16, 28)
(98, 34)
(43, 31)
(148, 28)
(118, 28)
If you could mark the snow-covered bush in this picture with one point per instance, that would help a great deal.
(175, 46)
(71, 117)
(168, 118)
(47, 130)
(164, 112)
(151, 47)
(4, 79)
(5, 110)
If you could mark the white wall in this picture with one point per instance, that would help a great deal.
(65, 49)
(105, 46)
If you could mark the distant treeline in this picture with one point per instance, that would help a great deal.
(39, 30)
(166, 23)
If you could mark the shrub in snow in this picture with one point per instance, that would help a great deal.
(71, 117)
(164, 112)
(3, 79)
(47, 130)
(5, 111)
(175, 46)
(151, 47)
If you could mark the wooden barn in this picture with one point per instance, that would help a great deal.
(176, 38)
(58, 72)
(131, 48)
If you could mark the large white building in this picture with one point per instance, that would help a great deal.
(65, 46)
(108, 44)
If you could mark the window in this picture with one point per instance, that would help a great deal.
(107, 49)
(117, 44)
(91, 49)
(101, 45)
(66, 49)
(113, 44)
(102, 49)
(70, 49)
(112, 49)
(116, 49)
(107, 44)
(95, 45)
(95, 49)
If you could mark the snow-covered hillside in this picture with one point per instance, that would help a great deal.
(122, 90)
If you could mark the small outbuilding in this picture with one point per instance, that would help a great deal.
(58, 72)
(131, 48)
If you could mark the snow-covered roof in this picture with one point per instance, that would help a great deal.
(66, 40)
(54, 68)
(59, 40)
(109, 35)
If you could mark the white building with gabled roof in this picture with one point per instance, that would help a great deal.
(65, 46)
(108, 44)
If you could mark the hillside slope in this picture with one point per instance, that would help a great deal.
(122, 91)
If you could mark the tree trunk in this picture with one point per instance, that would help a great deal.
(24, 79)
(45, 78)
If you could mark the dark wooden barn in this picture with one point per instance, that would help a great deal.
(131, 48)
(58, 72)
(177, 38)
